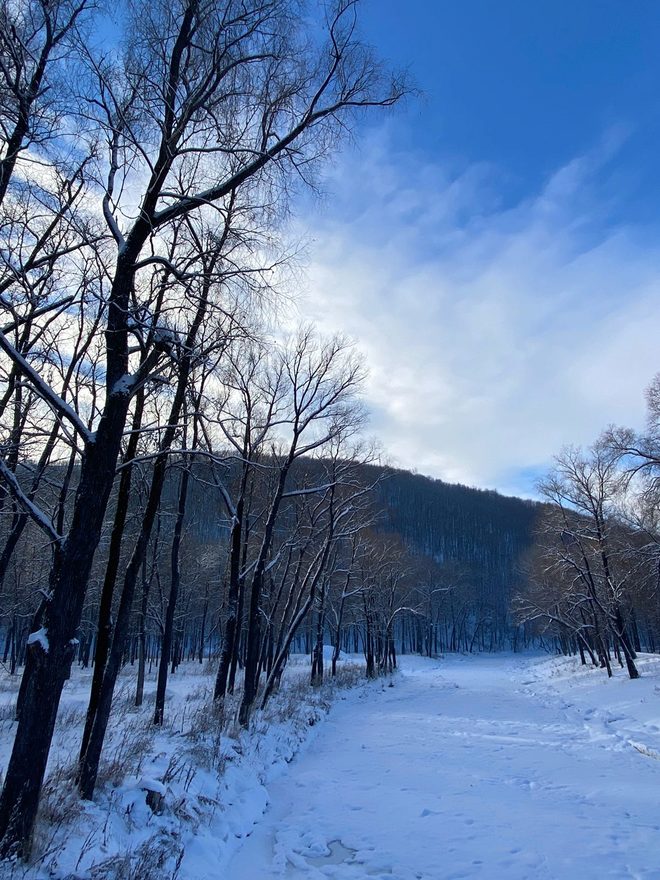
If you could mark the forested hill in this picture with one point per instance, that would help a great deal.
(455, 523)
(459, 550)
(476, 536)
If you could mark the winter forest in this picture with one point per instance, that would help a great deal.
(239, 637)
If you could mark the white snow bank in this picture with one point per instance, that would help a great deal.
(171, 800)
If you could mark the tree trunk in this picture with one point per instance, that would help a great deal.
(104, 626)
(230, 640)
(175, 580)
(254, 621)
(67, 585)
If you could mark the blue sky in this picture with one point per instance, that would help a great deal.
(527, 84)
(494, 248)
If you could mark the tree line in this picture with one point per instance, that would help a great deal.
(461, 548)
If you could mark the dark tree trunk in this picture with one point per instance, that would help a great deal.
(229, 651)
(317, 656)
(50, 669)
(337, 646)
(628, 651)
(104, 626)
(254, 618)
(90, 761)
(175, 580)
(142, 636)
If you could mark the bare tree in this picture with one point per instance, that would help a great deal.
(584, 487)
(319, 381)
(35, 40)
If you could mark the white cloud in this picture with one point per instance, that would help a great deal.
(493, 334)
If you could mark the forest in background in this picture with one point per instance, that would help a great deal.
(458, 552)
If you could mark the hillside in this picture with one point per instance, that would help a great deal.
(453, 523)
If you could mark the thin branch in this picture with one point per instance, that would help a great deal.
(35, 513)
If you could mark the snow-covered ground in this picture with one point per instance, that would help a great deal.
(212, 775)
(491, 767)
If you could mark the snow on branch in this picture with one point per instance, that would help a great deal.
(34, 512)
(312, 490)
(40, 637)
(44, 389)
(48, 307)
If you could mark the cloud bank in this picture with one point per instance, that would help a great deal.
(493, 333)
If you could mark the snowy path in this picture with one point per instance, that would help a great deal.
(471, 768)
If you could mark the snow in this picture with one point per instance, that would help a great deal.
(40, 637)
(124, 385)
(210, 778)
(328, 652)
(465, 767)
(483, 767)
(154, 785)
